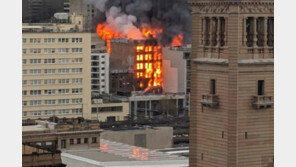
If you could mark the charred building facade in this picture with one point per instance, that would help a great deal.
(135, 65)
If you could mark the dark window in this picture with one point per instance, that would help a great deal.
(260, 87)
(93, 46)
(213, 87)
(207, 31)
(250, 31)
(63, 143)
(71, 141)
(78, 141)
(222, 134)
(202, 156)
(94, 140)
(246, 135)
(85, 140)
(270, 30)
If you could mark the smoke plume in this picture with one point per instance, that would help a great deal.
(124, 16)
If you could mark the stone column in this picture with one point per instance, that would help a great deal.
(218, 31)
(146, 115)
(135, 109)
(245, 32)
(265, 31)
(255, 32)
(150, 108)
(59, 144)
(211, 31)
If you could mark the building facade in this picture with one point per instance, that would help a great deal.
(232, 83)
(56, 75)
(99, 72)
(40, 11)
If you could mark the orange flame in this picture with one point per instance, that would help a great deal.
(107, 33)
(177, 41)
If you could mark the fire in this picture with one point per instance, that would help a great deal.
(107, 33)
(148, 66)
(150, 32)
(177, 40)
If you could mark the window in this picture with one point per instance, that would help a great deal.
(35, 113)
(202, 156)
(213, 87)
(64, 111)
(24, 51)
(49, 92)
(24, 103)
(76, 70)
(94, 140)
(35, 92)
(71, 141)
(49, 61)
(63, 143)
(261, 87)
(35, 61)
(77, 111)
(35, 51)
(76, 40)
(63, 61)
(63, 81)
(49, 71)
(63, 50)
(77, 80)
(24, 113)
(36, 82)
(77, 90)
(246, 135)
(64, 71)
(77, 50)
(24, 40)
(103, 62)
(24, 72)
(49, 40)
(63, 40)
(49, 112)
(24, 61)
(49, 50)
(64, 101)
(77, 60)
(24, 93)
(35, 71)
(49, 81)
(85, 140)
(78, 141)
(49, 102)
(24, 82)
(63, 91)
(35, 102)
(222, 134)
(77, 101)
(35, 40)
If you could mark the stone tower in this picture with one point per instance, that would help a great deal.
(232, 114)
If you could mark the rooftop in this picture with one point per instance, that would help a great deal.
(120, 155)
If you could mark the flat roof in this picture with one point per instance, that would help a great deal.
(121, 155)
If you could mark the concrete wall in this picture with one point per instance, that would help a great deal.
(174, 70)
(157, 138)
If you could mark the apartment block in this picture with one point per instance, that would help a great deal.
(232, 83)
(56, 74)
(99, 72)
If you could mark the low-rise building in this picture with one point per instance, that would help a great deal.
(62, 135)
(109, 111)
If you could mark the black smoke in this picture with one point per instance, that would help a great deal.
(173, 16)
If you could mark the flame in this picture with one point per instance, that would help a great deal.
(177, 40)
(151, 32)
(148, 65)
(107, 33)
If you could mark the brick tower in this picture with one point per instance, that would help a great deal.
(232, 115)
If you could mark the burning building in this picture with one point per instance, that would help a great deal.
(148, 66)
(135, 44)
